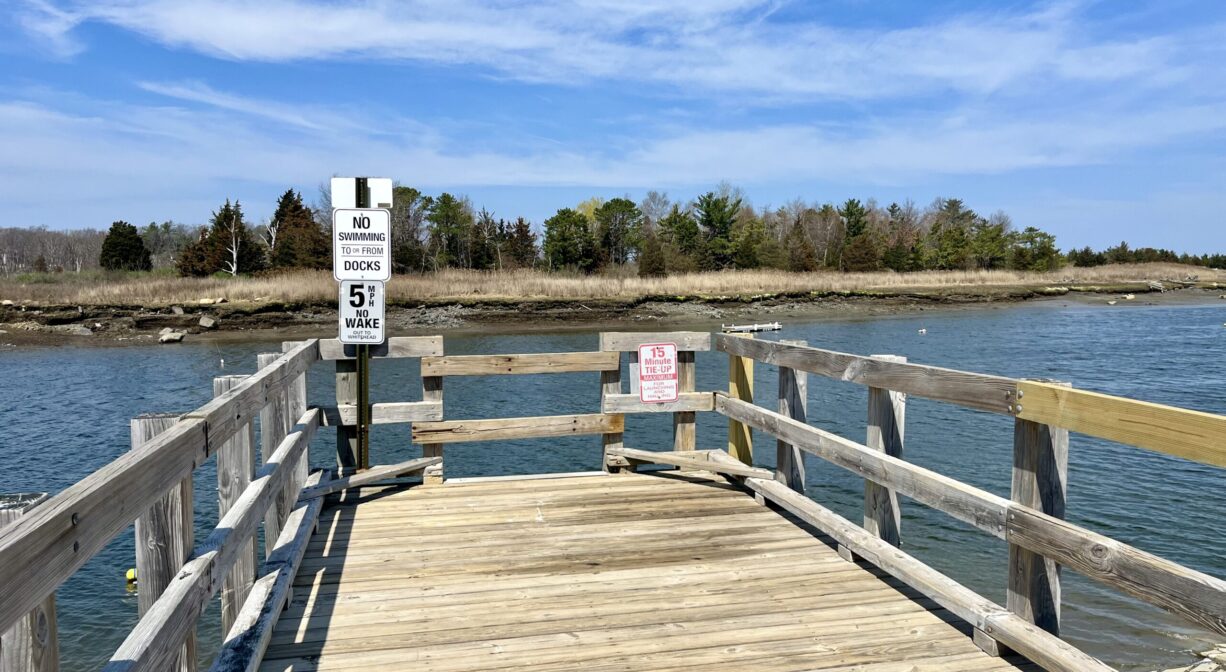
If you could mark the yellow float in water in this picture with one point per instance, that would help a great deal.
(131, 575)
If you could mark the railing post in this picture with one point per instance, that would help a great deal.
(346, 394)
(235, 467)
(886, 422)
(274, 427)
(432, 390)
(794, 403)
(685, 427)
(1040, 481)
(610, 383)
(740, 386)
(164, 536)
(32, 644)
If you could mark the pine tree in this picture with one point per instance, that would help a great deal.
(568, 241)
(521, 244)
(802, 256)
(295, 238)
(124, 250)
(226, 246)
(716, 215)
(651, 258)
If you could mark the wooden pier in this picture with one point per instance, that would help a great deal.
(709, 563)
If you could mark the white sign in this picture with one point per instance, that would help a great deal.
(361, 313)
(378, 192)
(657, 372)
(362, 244)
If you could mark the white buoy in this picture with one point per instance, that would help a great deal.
(922, 331)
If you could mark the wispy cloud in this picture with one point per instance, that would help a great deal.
(710, 46)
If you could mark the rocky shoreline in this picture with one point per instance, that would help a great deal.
(26, 323)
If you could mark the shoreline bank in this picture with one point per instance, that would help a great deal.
(218, 319)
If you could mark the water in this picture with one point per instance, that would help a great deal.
(65, 412)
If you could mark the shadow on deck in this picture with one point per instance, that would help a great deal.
(628, 572)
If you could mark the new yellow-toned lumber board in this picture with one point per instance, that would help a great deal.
(397, 346)
(459, 431)
(1192, 435)
(629, 341)
(686, 401)
(541, 362)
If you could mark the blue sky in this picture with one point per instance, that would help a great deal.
(1098, 121)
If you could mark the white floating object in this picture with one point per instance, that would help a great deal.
(922, 332)
(1112, 302)
(750, 328)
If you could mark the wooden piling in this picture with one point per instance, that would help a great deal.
(235, 467)
(164, 536)
(1040, 481)
(685, 423)
(274, 426)
(794, 403)
(346, 395)
(886, 423)
(610, 384)
(432, 390)
(32, 644)
(740, 386)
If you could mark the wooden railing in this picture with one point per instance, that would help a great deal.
(151, 484)
(1030, 521)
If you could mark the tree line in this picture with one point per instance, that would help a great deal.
(717, 230)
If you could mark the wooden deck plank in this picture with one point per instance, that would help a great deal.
(632, 572)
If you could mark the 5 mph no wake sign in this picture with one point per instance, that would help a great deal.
(361, 313)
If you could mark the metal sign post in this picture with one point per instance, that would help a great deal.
(361, 261)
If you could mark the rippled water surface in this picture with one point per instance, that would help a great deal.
(65, 412)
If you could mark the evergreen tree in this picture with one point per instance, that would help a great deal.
(226, 246)
(40, 264)
(296, 239)
(679, 230)
(1035, 250)
(451, 222)
(802, 256)
(855, 218)
(521, 244)
(194, 257)
(124, 250)
(651, 259)
(861, 254)
(568, 241)
(716, 215)
(618, 224)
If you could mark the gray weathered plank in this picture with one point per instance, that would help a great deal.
(331, 349)
(973, 390)
(235, 467)
(247, 640)
(793, 403)
(690, 460)
(164, 536)
(629, 341)
(33, 643)
(157, 636)
(372, 475)
(537, 362)
(1040, 481)
(686, 402)
(387, 413)
(886, 424)
(432, 391)
(685, 421)
(610, 386)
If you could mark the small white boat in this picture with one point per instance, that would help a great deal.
(750, 328)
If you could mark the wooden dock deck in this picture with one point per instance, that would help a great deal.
(598, 572)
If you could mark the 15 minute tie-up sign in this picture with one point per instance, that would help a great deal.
(658, 379)
(362, 244)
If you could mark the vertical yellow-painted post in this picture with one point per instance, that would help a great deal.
(740, 386)
(794, 403)
(32, 644)
(164, 536)
(610, 383)
(887, 412)
(432, 390)
(685, 427)
(1040, 481)
(235, 467)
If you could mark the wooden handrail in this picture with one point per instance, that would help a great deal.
(45, 548)
(155, 640)
(629, 341)
(498, 429)
(330, 349)
(1192, 435)
(1194, 595)
(973, 390)
(539, 362)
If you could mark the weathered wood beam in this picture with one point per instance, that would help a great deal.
(685, 421)
(629, 341)
(461, 431)
(153, 643)
(372, 475)
(1048, 651)
(793, 403)
(973, 390)
(686, 402)
(540, 362)
(388, 413)
(695, 460)
(235, 468)
(610, 386)
(247, 640)
(1192, 435)
(330, 349)
(740, 387)
(33, 643)
(886, 424)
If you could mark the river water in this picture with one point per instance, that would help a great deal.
(65, 412)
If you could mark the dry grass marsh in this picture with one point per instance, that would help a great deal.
(318, 287)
